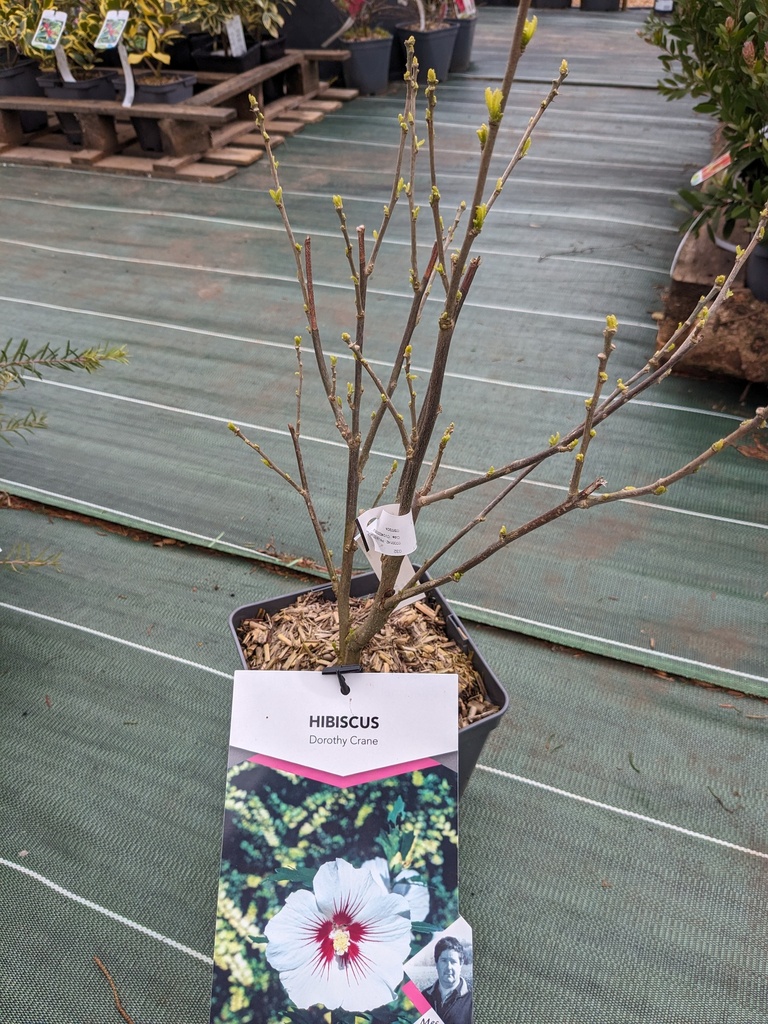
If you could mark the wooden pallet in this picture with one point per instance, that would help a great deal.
(206, 138)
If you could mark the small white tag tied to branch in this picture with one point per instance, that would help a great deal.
(383, 531)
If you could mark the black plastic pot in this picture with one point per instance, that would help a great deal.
(462, 48)
(100, 87)
(21, 80)
(177, 90)
(367, 69)
(272, 50)
(600, 5)
(181, 50)
(433, 48)
(208, 60)
(560, 4)
(757, 272)
(471, 738)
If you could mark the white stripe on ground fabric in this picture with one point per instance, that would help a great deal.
(114, 639)
(336, 285)
(619, 810)
(647, 651)
(466, 470)
(164, 325)
(107, 913)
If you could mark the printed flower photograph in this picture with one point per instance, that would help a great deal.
(325, 893)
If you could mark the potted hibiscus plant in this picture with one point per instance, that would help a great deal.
(386, 532)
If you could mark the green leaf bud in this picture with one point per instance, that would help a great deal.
(529, 30)
(482, 134)
(493, 101)
(553, 439)
(338, 202)
(612, 324)
(232, 427)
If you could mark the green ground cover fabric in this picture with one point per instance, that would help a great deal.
(613, 837)
(198, 281)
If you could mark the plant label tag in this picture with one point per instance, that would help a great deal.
(63, 65)
(465, 8)
(111, 31)
(711, 169)
(236, 36)
(388, 531)
(406, 571)
(338, 887)
(49, 30)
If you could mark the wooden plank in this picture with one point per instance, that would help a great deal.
(98, 132)
(327, 106)
(307, 116)
(86, 157)
(169, 166)
(222, 136)
(207, 172)
(255, 141)
(121, 164)
(182, 137)
(37, 156)
(332, 93)
(318, 55)
(284, 126)
(11, 133)
(189, 111)
(243, 83)
(232, 155)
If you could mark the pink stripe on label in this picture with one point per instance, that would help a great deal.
(419, 1001)
(343, 781)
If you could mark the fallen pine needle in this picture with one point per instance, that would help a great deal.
(115, 995)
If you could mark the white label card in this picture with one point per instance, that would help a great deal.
(112, 30)
(236, 36)
(388, 531)
(50, 30)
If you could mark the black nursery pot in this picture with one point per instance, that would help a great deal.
(757, 272)
(99, 87)
(432, 48)
(471, 738)
(177, 90)
(560, 4)
(206, 60)
(367, 69)
(272, 50)
(462, 49)
(600, 5)
(21, 80)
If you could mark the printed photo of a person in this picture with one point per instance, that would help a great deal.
(450, 996)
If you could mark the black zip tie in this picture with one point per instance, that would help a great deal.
(339, 670)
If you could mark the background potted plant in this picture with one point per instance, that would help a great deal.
(718, 53)
(462, 13)
(450, 269)
(369, 45)
(152, 27)
(211, 19)
(601, 5)
(77, 75)
(433, 35)
(18, 68)
(265, 21)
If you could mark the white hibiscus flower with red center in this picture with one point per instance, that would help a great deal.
(343, 944)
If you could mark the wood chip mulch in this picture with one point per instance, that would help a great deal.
(302, 637)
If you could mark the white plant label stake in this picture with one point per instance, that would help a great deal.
(236, 36)
(109, 38)
(48, 35)
(381, 530)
